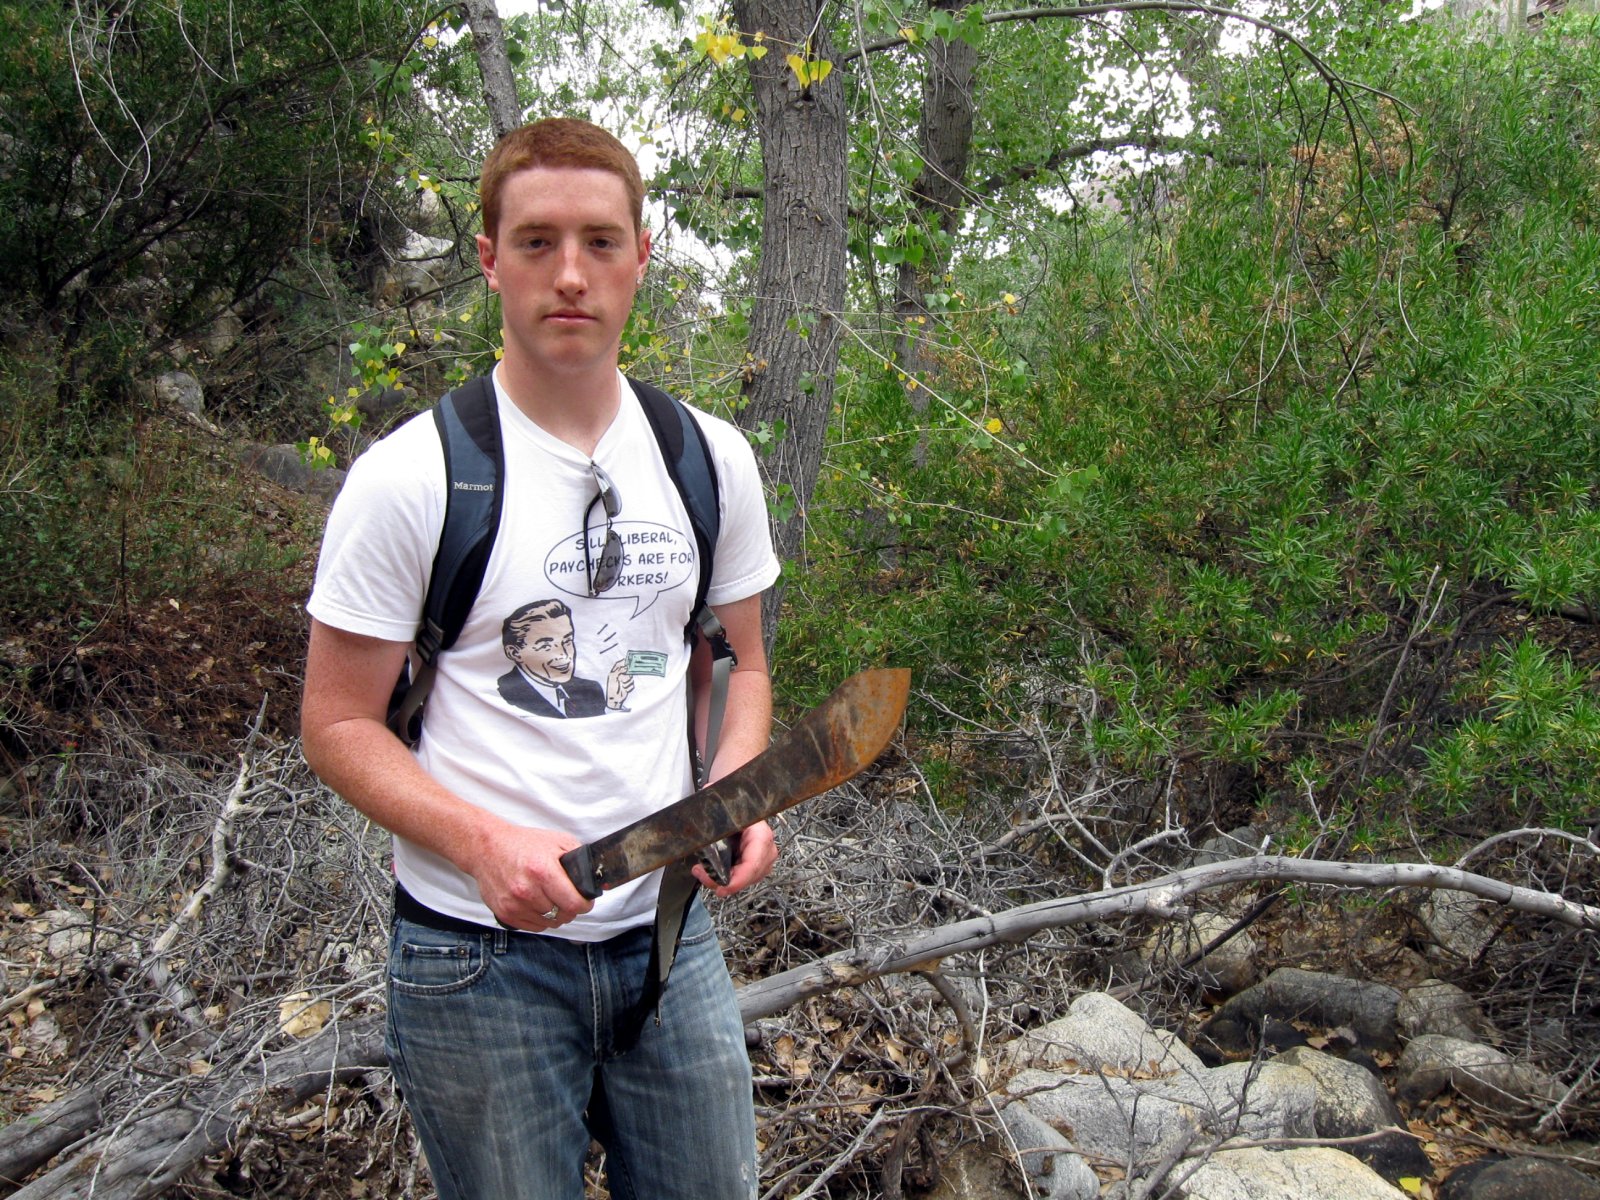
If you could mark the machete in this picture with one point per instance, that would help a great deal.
(832, 743)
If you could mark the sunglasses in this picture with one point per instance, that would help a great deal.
(603, 571)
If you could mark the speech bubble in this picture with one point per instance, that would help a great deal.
(655, 559)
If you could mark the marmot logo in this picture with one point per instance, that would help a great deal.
(473, 487)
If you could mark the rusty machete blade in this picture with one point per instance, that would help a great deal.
(830, 744)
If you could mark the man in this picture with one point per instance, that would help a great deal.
(538, 638)
(508, 991)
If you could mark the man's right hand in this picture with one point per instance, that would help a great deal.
(521, 879)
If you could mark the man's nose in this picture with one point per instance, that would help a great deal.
(570, 276)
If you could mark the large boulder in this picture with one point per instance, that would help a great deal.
(1099, 1033)
(1352, 1102)
(1435, 1006)
(1048, 1160)
(1305, 1173)
(1131, 1120)
(422, 266)
(284, 466)
(1491, 1080)
(1518, 1179)
(1460, 927)
(1290, 994)
(1227, 970)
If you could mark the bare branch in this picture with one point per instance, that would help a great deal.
(917, 951)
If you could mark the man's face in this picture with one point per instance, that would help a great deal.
(547, 651)
(566, 261)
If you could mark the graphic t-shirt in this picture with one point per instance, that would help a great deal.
(555, 709)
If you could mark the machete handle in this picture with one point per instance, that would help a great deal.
(579, 866)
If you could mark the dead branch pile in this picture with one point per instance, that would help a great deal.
(175, 938)
(193, 957)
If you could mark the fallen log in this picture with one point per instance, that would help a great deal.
(151, 1150)
(33, 1139)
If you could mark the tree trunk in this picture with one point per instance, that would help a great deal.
(945, 143)
(499, 84)
(795, 328)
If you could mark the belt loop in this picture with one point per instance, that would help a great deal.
(502, 941)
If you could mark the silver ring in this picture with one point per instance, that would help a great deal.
(555, 911)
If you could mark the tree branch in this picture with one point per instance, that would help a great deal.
(918, 951)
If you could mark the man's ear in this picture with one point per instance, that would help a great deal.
(486, 261)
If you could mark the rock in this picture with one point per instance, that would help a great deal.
(974, 1172)
(1459, 925)
(1435, 1006)
(1485, 1076)
(283, 465)
(1236, 843)
(1228, 969)
(178, 389)
(1308, 1173)
(222, 335)
(42, 1038)
(69, 933)
(1330, 1001)
(423, 265)
(1099, 1033)
(1047, 1158)
(1351, 1102)
(1124, 1120)
(1223, 1039)
(1518, 1179)
(379, 404)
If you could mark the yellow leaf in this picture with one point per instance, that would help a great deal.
(994, 425)
(430, 41)
(798, 66)
(757, 52)
(299, 1016)
(820, 70)
(1411, 1183)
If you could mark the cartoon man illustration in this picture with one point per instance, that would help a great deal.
(540, 641)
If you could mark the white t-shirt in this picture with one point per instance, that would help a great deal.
(600, 754)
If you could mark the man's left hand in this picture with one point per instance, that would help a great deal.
(755, 851)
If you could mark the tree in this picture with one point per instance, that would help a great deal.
(162, 165)
(795, 329)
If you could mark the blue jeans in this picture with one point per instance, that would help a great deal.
(502, 1047)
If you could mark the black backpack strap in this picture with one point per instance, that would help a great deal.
(468, 421)
(688, 457)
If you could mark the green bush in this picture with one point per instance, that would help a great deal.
(1295, 472)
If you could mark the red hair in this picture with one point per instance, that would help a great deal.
(556, 142)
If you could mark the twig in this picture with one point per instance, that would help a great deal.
(181, 998)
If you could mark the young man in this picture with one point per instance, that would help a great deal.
(508, 991)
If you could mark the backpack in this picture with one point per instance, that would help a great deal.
(469, 430)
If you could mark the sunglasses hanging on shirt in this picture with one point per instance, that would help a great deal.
(603, 569)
